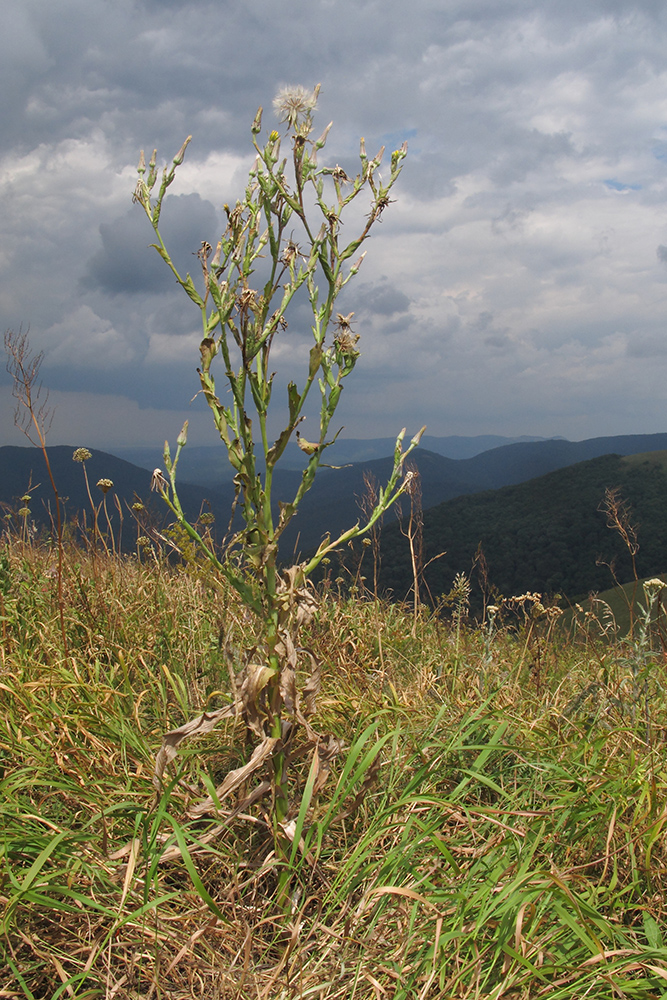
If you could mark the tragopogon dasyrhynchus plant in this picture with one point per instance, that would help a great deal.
(283, 236)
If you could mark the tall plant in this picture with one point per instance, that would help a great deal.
(242, 316)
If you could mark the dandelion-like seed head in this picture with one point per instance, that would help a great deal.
(295, 104)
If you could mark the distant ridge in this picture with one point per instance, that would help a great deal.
(23, 469)
(548, 534)
(332, 505)
(208, 464)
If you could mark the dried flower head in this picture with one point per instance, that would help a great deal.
(343, 322)
(339, 175)
(81, 455)
(295, 105)
(347, 342)
(105, 484)
(345, 337)
(158, 482)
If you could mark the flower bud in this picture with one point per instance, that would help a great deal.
(180, 155)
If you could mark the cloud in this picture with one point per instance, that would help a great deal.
(382, 299)
(84, 340)
(512, 284)
(126, 265)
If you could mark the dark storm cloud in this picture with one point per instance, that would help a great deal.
(503, 283)
(127, 264)
(382, 299)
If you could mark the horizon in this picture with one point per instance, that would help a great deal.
(22, 442)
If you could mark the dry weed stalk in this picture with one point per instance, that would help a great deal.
(247, 286)
(415, 536)
(618, 513)
(32, 415)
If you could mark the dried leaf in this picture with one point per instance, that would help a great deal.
(312, 686)
(237, 777)
(196, 727)
(299, 593)
(286, 652)
(249, 685)
(324, 755)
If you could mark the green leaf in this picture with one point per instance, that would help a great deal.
(189, 286)
(315, 360)
(294, 401)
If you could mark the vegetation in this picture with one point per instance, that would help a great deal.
(493, 829)
(483, 818)
(548, 535)
(248, 288)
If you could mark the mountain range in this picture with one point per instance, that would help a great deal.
(208, 465)
(333, 503)
(550, 534)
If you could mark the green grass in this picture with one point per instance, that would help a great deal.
(493, 828)
(618, 607)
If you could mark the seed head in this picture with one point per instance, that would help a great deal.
(105, 484)
(158, 482)
(81, 455)
(295, 104)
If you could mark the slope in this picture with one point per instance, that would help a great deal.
(548, 535)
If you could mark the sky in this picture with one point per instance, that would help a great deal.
(516, 286)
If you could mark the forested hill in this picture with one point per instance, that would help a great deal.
(22, 471)
(547, 535)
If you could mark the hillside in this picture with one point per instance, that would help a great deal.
(547, 535)
(333, 503)
(490, 810)
(22, 470)
(208, 465)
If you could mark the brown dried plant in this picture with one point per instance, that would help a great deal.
(33, 417)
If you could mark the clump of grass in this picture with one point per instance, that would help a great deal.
(474, 840)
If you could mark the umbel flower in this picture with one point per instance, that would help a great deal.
(295, 104)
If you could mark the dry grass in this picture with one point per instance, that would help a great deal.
(483, 835)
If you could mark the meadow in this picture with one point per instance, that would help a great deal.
(221, 781)
(489, 820)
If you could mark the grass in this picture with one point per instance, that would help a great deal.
(614, 605)
(484, 833)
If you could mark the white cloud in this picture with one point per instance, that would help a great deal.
(85, 340)
(514, 283)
